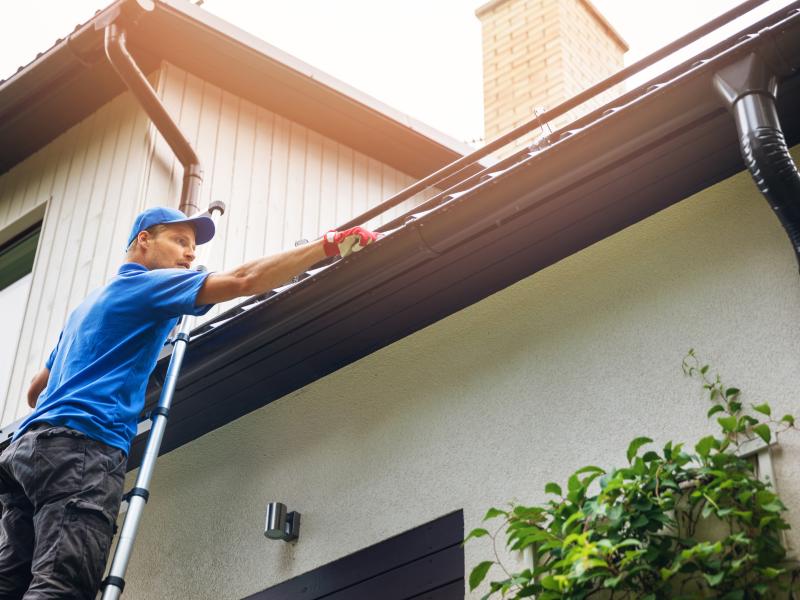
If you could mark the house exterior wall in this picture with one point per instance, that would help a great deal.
(281, 182)
(539, 53)
(84, 185)
(558, 371)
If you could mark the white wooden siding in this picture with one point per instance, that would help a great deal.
(281, 182)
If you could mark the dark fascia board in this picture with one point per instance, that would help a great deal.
(673, 141)
(72, 80)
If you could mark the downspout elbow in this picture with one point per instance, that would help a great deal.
(749, 88)
(127, 69)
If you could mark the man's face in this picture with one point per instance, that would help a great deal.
(172, 248)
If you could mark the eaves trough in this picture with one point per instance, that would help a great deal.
(654, 147)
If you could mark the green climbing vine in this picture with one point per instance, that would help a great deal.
(635, 531)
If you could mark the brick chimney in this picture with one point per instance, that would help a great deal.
(538, 53)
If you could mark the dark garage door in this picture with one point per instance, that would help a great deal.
(426, 563)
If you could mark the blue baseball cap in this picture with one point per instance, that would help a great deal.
(162, 215)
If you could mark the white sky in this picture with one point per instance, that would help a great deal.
(422, 57)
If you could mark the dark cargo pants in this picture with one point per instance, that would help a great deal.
(60, 493)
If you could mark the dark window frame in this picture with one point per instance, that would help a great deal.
(18, 254)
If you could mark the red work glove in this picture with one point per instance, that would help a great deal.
(344, 242)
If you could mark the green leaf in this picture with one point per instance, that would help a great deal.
(788, 419)
(553, 488)
(772, 573)
(479, 574)
(764, 409)
(763, 432)
(493, 513)
(589, 469)
(705, 445)
(731, 392)
(476, 533)
(650, 456)
(728, 423)
(714, 580)
(634, 446)
(714, 410)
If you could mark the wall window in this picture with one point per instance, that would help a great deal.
(16, 264)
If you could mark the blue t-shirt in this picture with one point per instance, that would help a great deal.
(109, 346)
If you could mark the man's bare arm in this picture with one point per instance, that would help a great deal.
(260, 275)
(38, 383)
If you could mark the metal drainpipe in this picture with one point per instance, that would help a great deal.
(137, 83)
(749, 88)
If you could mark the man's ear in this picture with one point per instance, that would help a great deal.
(143, 239)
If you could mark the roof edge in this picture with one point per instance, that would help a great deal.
(266, 50)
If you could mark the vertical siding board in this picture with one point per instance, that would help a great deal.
(126, 188)
(160, 166)
(258, 199)
(273, 241)
(211, 104)
(222, 188)
(329, 186)
(71, 270)
(344, 185)
(295, 188)
(312, 193)
(360, 201)
(374, 190)
(95, 214)
(159, 163)
(221, 183)
(108, 246)
(224, 172)
(109, 243)
(241, 188)
(62, 271)
(173, 91)
(191, 108)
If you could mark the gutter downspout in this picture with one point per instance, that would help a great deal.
(134, 79)
(749, 88)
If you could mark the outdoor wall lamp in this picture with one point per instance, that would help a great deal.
(281, 525)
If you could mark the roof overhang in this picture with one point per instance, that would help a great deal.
(72, 79)
(619, 165)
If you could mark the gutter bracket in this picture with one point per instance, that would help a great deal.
(748, 89)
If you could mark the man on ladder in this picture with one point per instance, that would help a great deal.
(61, 477)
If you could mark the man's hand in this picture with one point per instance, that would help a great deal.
(346, 242)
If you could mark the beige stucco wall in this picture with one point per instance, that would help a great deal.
(558, 371)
